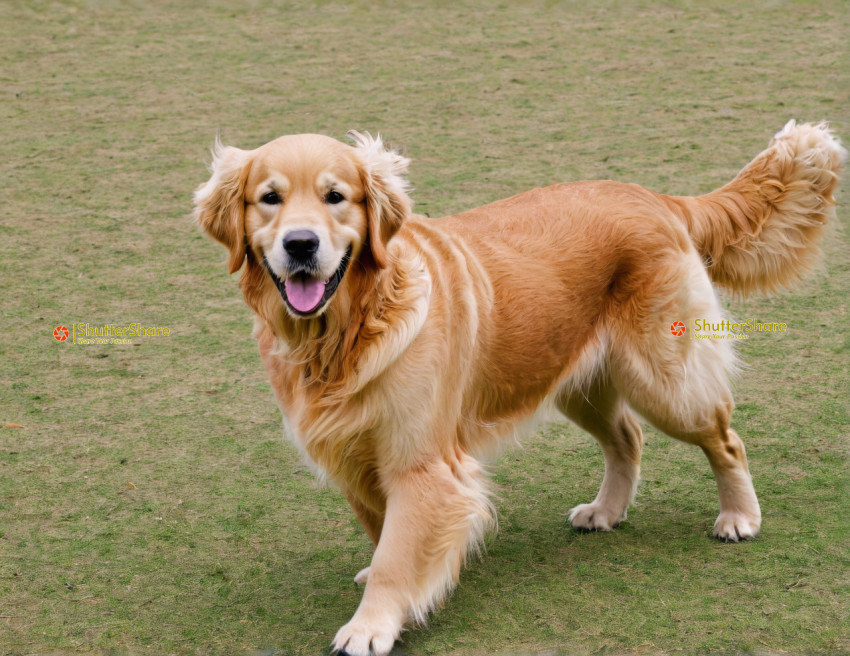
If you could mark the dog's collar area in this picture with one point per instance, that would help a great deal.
(329, 287)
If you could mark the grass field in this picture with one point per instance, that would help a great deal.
(148, 503)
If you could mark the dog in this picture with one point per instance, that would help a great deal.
(402, 349)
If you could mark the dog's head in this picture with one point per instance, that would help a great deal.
(305, 206)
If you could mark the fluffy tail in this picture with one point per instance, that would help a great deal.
(761, 232)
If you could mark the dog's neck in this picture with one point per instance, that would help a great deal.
(316, 344)
(373, 316)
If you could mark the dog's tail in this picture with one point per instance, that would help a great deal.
(761, 232)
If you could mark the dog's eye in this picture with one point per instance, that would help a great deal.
(334, 198)
(270, 198)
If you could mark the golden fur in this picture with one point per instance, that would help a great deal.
(445, 335)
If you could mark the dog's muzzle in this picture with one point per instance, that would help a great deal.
(303, 293)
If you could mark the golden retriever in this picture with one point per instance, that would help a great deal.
(402, 349)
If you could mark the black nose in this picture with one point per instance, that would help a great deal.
(301, 244)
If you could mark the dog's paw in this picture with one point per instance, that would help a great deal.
(595, 517)
(365, 638)
(732, 526)
(362, 576)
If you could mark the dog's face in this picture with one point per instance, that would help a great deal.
(305, 212)
(305, 206)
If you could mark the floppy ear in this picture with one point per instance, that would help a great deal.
(220, 202)
(387, 202)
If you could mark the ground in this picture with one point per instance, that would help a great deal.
(149, 504)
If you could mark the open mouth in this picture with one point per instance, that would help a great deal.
(305, 294)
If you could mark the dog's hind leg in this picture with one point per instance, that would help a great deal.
(680, 384)
(740, 515)
(601, 411)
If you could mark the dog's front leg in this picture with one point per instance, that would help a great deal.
(433, 515)
(371, 517)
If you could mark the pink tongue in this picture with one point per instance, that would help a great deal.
(304, 294)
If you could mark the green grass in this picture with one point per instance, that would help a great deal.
(149, 504)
